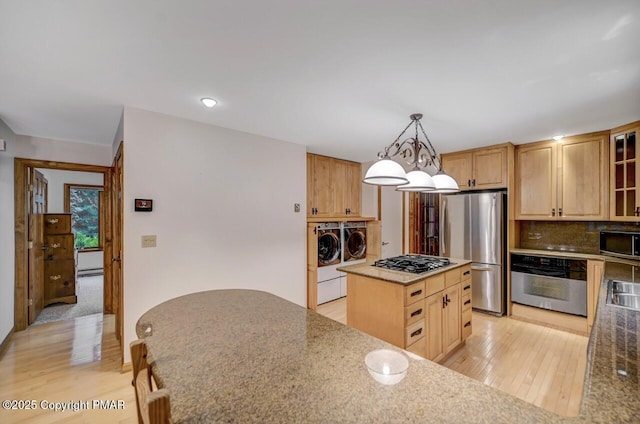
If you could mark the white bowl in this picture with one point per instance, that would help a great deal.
(387, 366)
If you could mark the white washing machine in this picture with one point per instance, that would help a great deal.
(330, 280)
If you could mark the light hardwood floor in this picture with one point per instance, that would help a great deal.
(74, 360)
(538, 364)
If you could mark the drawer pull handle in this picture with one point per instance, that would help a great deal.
(416, 293)
(418, 312)
(52, 221)
(467, 302)
(468, 324)
(466, 273)
(55, 277)
(417, 332)
(467, 287)
(55, 245)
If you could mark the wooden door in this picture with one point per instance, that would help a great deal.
(322, 186)
(116, 264)
(434, 308)
(338, 182)
(536, 181)
(452, 329)
(312, 266)
(354, 188)
(490, 168)
(458, 166)
(624, 174)
(36, 208)
(310, 193)
(582, 178)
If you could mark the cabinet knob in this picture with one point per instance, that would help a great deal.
(559, 211)
(473, 182)
(469, 183)
(553, 212)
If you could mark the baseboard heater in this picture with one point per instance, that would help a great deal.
(90, 271)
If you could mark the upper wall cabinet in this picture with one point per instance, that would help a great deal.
(624, 174)
(564, 180)
(478, 169)
(334, 187)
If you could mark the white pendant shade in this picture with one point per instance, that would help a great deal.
(386, 172)
(418, 181)
(444, 183)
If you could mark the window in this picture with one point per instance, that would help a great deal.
(83, 202)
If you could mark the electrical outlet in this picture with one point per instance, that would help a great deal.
(149, 241)
(296, 207)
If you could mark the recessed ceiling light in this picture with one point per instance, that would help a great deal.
(208, 102)
(558, 137)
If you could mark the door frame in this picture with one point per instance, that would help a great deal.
(21, 165)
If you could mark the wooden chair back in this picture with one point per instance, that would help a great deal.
(153, 405)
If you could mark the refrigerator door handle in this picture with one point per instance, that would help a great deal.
(481, 268)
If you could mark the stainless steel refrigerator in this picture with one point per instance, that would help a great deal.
(472, 226)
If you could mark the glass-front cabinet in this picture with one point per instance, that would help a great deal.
(625, 178)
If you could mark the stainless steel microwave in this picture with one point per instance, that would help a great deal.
(620, 244)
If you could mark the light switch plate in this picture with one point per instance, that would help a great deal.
(296, 207)
(149, 241)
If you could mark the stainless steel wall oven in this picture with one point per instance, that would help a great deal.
(554, 283)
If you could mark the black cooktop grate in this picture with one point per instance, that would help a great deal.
(415, 264)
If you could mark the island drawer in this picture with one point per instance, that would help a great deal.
(418, 347)
(435, 284)
(414, 292)
(466, 301)
(414, 332)
(452, 277)
(466, 323)
(466, 287)
(465, 272)
(414, 312)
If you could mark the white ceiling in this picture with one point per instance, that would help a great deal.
(340, 76)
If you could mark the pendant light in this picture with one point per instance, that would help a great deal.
(418, 153)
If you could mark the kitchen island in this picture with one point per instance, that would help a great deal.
(427, 313)
(249, 356)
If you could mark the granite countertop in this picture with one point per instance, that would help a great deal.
(609, 395)
(558, 253)
(399, 277)
(249, 356)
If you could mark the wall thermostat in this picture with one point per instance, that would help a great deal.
(144, 205)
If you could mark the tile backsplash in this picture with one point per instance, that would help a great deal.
(571, 236)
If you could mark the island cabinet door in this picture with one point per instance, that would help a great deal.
(434, 345)
(452, 329)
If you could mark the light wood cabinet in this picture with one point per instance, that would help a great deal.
(595, 271)
(624, 173)
(478, 169)
(564, 180)
(424, 318)
(334, 187)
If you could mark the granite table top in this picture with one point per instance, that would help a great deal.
(399, 277)
(239, 356)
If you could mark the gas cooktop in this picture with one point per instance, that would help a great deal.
(415, 264)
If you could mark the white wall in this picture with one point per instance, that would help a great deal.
(223, 213)
(63, 151)
(56, 179)
(7, 228)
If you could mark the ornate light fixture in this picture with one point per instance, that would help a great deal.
(417, 153)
